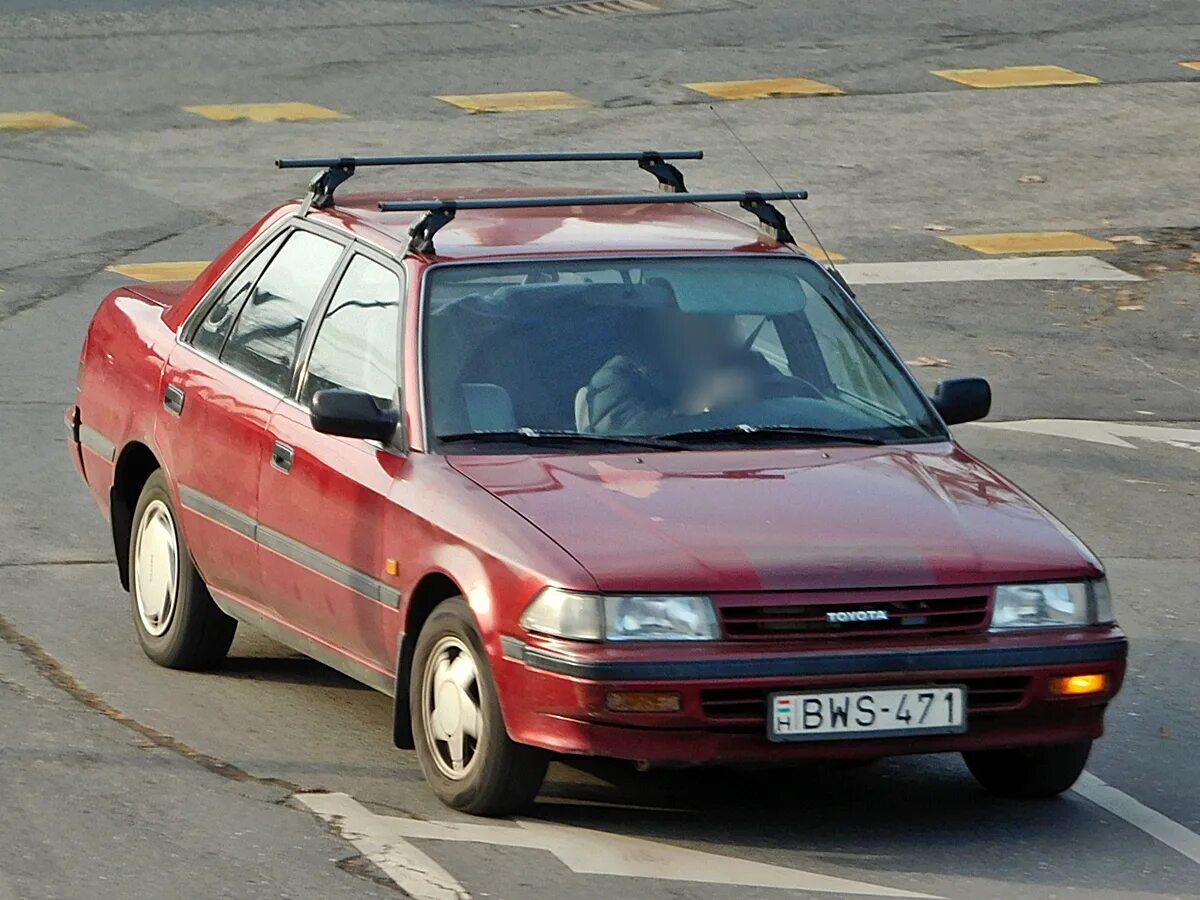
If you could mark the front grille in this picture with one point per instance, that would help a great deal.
(908, 613)
(748, 706)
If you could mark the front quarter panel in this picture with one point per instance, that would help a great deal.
(444, 523)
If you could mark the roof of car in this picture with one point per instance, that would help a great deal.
(540, 231)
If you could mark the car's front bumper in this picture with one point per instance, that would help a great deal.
(555, 696)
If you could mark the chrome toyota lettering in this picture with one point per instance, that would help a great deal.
(858, 615)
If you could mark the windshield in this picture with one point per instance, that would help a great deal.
(724, 347)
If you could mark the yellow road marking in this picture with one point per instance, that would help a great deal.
(517, 101)
(817, 253)
(1191, 64)
(1029, 242)
(29, 121)
(1016, 76)
(162, 271)
(765, 88)
(263, 112)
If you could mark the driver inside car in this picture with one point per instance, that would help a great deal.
(683, 364)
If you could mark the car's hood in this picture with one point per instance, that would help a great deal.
(770, 519)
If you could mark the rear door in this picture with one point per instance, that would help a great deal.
(323, 502)
(221, 385)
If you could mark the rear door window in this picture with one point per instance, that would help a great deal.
(266, 336)
(213, 329)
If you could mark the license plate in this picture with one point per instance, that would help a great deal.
(885, 712)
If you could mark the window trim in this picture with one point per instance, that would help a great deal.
(322, 296)
(289, 224)
(282, 238)
(430, 442)
(200, 311)
(304, 356)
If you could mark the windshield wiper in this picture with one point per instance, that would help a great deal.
(535, 436)
(768, 432)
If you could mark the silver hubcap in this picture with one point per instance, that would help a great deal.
(156, 568)
(450, 707)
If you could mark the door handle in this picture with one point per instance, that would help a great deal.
(173, 399)
(282, 457)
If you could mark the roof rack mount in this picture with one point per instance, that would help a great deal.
(339, 169)
(439, 213)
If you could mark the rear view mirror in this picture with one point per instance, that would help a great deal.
(961, 400)
(353, 414)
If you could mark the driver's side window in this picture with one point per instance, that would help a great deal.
(357, 344)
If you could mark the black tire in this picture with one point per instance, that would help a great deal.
(1029, 772)
(195, 634)
(502, 776)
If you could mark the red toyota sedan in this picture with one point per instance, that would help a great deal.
(584, 474)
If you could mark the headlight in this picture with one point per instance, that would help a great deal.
(1051, 604)
(633, 617)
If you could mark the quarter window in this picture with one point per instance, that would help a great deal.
(210, 335)
(267, 333)
(356, 346)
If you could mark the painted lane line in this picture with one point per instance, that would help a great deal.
(1140, 816)
(183, 270)
(1017, 76)
(263, 112)
(1061, 268)
(518, 101)
(34, 121)
(384, 840)
(1113, 434)
(765, 88)
(416, 873)
(1008, 242)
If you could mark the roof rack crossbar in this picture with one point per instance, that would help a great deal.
(439, 213)
(340, 168)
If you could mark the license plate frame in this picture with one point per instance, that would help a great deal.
(796, 697)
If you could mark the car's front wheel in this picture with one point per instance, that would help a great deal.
(1029, 772)
(177, 623)
(464, 749)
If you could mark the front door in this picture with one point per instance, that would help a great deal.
(323, 501)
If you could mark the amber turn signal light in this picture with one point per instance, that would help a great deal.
(644, 701)
(1074, 685)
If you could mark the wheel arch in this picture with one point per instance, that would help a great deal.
(135, 464)
(431, 590)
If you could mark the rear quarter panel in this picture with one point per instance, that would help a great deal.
(120, 375)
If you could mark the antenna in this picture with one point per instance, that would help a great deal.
(829, 259)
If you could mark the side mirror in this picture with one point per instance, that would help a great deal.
(961, 400)
(353, 414)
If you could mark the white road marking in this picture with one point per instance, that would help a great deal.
(1139, 816)
(383, 840)
(1059, 268)
(416, 873)
(1110, 433)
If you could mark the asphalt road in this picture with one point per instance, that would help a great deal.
(123, 780)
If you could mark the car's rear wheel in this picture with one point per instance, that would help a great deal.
(1029, 772)
(177, 623)
(463, 747)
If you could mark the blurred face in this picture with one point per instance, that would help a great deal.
(695, 343)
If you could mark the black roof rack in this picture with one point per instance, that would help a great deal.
(439, 212)
(340, 168)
